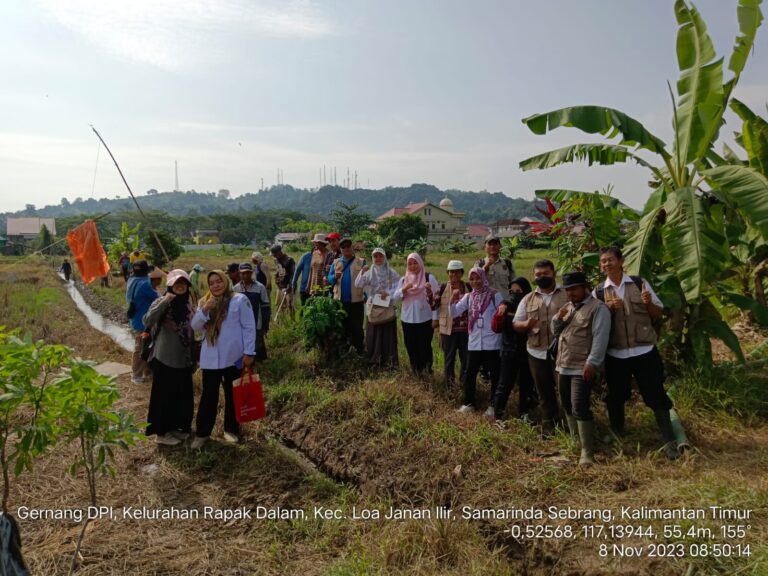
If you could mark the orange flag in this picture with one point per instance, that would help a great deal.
(87, 251)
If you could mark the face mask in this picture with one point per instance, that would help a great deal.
(545, 282)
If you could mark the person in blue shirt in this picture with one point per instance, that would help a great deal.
(139, 295)
(302, 271)
(342, 275)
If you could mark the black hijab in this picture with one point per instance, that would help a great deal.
(515, 299)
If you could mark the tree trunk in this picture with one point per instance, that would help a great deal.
(760, 272)
(6, 476)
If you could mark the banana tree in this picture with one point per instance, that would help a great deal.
(748, 246)
(681, 241)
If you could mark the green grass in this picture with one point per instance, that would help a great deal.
(114, 294)
(388, 425)
(732, 392)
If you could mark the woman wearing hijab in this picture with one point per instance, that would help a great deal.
(171, 401)
(484, 343)
(415, 290)
(229, 339)
(380, 282)
(514, 357)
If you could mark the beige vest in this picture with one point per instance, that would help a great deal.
(540, 336)
(631, 325)
(354, 270)
(576, 339)
(316, 270)
(446, 321)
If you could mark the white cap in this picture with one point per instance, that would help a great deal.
(455, 265)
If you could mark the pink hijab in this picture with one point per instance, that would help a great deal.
(416, 280)
(479, 300)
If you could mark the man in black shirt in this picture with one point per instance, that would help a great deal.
(284, 269)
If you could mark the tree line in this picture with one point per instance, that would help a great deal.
(479, 207)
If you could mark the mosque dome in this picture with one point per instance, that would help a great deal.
(446, 204)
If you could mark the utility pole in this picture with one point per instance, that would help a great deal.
(176, 167)
(262, 184)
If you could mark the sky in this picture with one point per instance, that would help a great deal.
(399, 91)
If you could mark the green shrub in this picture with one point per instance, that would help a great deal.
(322, 323)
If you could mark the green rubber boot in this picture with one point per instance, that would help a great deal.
(572, 425)
(665, 426)
(587, 435)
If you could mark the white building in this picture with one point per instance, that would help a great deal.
(22, 229)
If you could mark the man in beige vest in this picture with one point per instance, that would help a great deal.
(583, 326)
(454, 337)
(317, 278)
(499, 271)
(533, 316)
(342, 276)
(632, 347)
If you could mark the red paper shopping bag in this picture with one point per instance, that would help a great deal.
(248, 398)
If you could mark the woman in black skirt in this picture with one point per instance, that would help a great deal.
(380, 282)
(171, 401)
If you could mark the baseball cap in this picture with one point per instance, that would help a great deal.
(175, 275)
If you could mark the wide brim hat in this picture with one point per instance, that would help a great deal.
(320, 237)
(573, 279)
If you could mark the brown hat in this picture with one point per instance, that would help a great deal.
(320, 237)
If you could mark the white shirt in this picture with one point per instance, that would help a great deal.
(363, 280)
(237, 336)
(624, 353)
(417, 311)
(481, 337)
(521, 315)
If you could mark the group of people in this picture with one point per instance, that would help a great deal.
(220, 328)
(553, 339)
(556, 339)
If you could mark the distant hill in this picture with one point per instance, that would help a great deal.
(480, 207)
